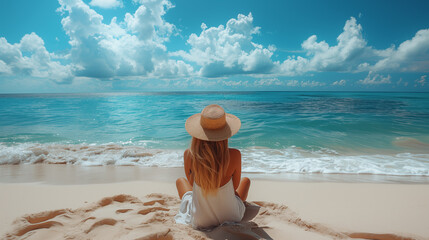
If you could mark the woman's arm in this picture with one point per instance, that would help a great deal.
(241, 186)
(235, 158)
(187, 163)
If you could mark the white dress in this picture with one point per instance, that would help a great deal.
(212, 210)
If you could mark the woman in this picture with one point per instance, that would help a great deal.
(212, 192)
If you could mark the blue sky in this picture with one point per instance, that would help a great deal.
(160, 45)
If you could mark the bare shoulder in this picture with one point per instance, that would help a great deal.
(187, 156)
(235, 155)
(234, 151)
(186, 153)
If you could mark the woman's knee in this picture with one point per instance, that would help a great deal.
(179, 181)
(245, 180)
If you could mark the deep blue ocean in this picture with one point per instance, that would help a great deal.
(323, 132)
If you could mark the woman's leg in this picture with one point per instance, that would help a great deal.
(183, 186)
(243, 188)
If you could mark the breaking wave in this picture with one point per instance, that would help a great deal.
(255, 159)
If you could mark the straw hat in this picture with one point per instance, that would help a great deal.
(212, 124)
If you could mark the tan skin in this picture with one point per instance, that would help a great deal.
(241, 185)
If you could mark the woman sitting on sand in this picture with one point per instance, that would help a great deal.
(212, 194)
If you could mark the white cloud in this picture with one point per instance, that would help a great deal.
(399, 81)
(29, 57)
(352, 54)
(292, 66)
(348, 55)
(148, 23)
(292, 83)
(134, 48)
(341, 82)
(421, 81)
(106, 3)
(5, 68)
(229, 50)
(411, 55)
(375, 79)
(235, 83)
(305, 83)
(309, 83)
(194, 82)
(172, 69)
(130, 49)
(268, 82)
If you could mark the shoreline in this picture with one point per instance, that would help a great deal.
(66, 174)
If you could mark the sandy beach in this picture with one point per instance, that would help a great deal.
(54, 207)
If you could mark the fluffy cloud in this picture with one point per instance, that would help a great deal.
(312, 84)
(352, 54)
(341, 82)
(135, 48)
(292, 83)
(5, 68)
(29, 57)
(229, 50)
(268, 82)
(375, 79)
(421, 81)
(292, 66)
(129, 49)
(399, 82)
(345, 56)
(147, 21)
(349, 55)
(307, 83)
(106, 3)
(411, 55)
(235, 83)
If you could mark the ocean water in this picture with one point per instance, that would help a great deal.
(297, 132)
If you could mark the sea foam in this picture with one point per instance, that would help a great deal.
(89, 155)
(255, 159)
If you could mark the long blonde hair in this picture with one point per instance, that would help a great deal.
(210, 161)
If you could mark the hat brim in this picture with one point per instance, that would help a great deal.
(195, 129)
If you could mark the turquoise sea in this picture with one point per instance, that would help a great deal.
(316, 132)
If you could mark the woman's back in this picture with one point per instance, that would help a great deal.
(213, 191)
(233, 170)
(223, 205)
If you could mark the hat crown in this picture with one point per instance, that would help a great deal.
(213, 117)
(212, 124)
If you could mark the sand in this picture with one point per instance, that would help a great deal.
(56, 207)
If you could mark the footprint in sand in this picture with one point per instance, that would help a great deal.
(150, 203)
(107, 221)
(123, 210)
(37, 226)
(154, 209)
(39, 221)
(43, 216)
